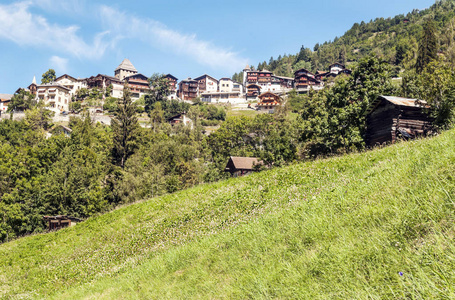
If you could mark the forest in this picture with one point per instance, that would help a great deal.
(393, 39)
(98, 168)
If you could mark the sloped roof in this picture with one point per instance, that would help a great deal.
(53, 84)
(303, 70)
(283, 77)
(337, 63)
(136, 75)
(205, 75)
(171, 76)
(126, 65)
(244, 163)
(65, 76)
(399, 101)
(268, 93)
(5, 97)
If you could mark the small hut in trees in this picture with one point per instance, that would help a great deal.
(240, 166)
(389, 118)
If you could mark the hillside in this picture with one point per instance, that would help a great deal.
(394, 39)
(378, 224)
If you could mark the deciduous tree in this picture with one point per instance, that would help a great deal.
(48, 76)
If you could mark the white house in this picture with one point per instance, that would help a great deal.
(72, 83)
(227, 85)
(206, 84)
(55, 96)
(5, 99)
(336, 68)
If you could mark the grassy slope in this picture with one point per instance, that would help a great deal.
(337, 228)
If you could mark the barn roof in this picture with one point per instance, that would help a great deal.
(399, 101)
(244, 163)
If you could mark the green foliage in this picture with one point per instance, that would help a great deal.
(332, 120)
(428, 46)
(269, 137)
(238, 77)
(110, 104)
(108, 91)
(159, 90)
(48, 76)
(21, 101)
(39, 118)
(124, 127)
(435, 85)
(82, 93)
(75, 106)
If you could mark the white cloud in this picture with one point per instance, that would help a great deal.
(19, 25)
(59, 64)
(158, 35)
(68, 6)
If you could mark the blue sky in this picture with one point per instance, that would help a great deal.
(185, 38)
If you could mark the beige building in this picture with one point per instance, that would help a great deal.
(227, 85)
(72, 83)
(55, 96)
(125, 69)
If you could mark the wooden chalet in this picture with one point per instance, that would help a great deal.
(304, 80)
(188, 89)
(180, 119)
(284, 82)
(321, 75)
(252, 77)
(204, 82)
(268, 102)
(138, 84)
(172, 82)
(336, 68)
(389, 118)
(252, 91)
(102, 81)
(241, 166)
(59, 222)
(264, 77)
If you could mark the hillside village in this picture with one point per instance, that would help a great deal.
(332, 182)
(261, 86)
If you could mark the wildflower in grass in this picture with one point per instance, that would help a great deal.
(400, 273)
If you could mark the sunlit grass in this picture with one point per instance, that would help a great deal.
(376, 225)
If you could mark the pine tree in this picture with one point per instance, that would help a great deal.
(125, 127)
(427, 46)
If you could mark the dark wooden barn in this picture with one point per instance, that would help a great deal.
(389, 118)
(59, 222)
(240, 166)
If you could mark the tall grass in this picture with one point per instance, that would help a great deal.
(376, 225)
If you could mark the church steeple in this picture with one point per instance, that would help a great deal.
(34, 79)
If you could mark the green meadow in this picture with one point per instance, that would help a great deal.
(371, 225)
